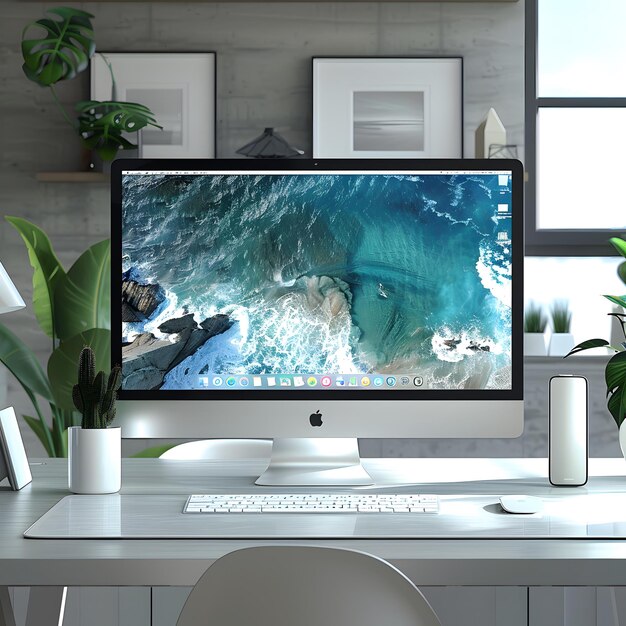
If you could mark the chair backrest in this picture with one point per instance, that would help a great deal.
(304, 586)
(221, 449)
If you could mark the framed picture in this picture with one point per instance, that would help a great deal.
(388, 107)
(178, 87)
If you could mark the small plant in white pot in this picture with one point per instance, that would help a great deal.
(94, 449)
(535, 323)
(562, 340)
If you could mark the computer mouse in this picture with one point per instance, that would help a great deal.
(521, 504)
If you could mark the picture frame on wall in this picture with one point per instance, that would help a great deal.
(178, 87)
(383, 107)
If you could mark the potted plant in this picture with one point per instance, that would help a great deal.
(95, 450)
(535, 323)
(615, 372)
(63, 51)
(73, 308)
(562, 340)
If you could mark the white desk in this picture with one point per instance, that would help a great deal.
(428, 562)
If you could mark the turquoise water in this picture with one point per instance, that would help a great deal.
(332, 273)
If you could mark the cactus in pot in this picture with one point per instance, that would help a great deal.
(94, 395)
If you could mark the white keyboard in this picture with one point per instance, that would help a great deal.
(312, 503)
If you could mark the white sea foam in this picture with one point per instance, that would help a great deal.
(495, 275)
(465, 338)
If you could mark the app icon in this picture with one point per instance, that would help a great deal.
(326, 381)
(230, 381)
(391, 381)
(271, 381)
(311, 381)
(285, 381)
(257, 381)
(218, 381)
(418, 381)
(365, 381)
(378, 381)
(243, 381)
(352, 382)
(298, 381)
(340, 382)
(203, 381)
(405, 380)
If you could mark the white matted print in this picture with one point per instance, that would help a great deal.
(388, 107)
(178, 87)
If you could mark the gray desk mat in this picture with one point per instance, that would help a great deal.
(118, 516)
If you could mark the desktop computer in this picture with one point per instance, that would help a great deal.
(317, 301)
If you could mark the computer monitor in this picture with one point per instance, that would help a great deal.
(317, 301)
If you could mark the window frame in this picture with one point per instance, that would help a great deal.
(555, 242)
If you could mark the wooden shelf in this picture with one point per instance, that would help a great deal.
(73, 177)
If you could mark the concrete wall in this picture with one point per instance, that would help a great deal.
(264, 52)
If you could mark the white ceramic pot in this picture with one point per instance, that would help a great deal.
(94, 459)
(534, 344)
(561, 344)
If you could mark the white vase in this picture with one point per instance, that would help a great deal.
(561, 344)
(94, 460)
(534, 344)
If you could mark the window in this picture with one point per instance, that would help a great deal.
(576, 126)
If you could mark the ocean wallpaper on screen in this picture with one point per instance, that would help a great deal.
(317, 274)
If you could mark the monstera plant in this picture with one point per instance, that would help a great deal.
(62, 51)
(73, 309)
(615, 371)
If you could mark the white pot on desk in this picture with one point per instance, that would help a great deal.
(561, 344)
(534, 344)
(94, 460)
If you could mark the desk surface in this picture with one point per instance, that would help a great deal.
(426, 561)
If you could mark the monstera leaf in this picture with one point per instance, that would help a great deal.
(63, 51)
(102, 124)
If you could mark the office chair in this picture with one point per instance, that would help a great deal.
(221, 449)
(305, 586)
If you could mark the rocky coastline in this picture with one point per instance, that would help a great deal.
(148, 359)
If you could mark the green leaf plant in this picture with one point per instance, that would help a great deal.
(615, 371)
(73, 309)
(62, 51)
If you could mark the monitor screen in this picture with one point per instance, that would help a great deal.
(355, 279)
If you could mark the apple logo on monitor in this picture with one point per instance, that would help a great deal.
(316, 418)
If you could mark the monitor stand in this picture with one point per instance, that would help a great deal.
(315, 462)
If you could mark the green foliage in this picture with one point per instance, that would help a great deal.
(102, 124)
(561, 316)
(534, 319)
(64, 49)
(62, 52)
(615, 371)
(94, 396)
(77, 318)
(154, 452)
(47, 271)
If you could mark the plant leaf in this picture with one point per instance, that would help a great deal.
(617, 405)
(63, 50)
(47, 271)
(587, 345)
(621, 271)
(40, 430)
(615, 372)
(619, 245)
(23, 364)
(63, 362)
(619, 300)
(155, 452)
(82, 297)
(102, 124)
